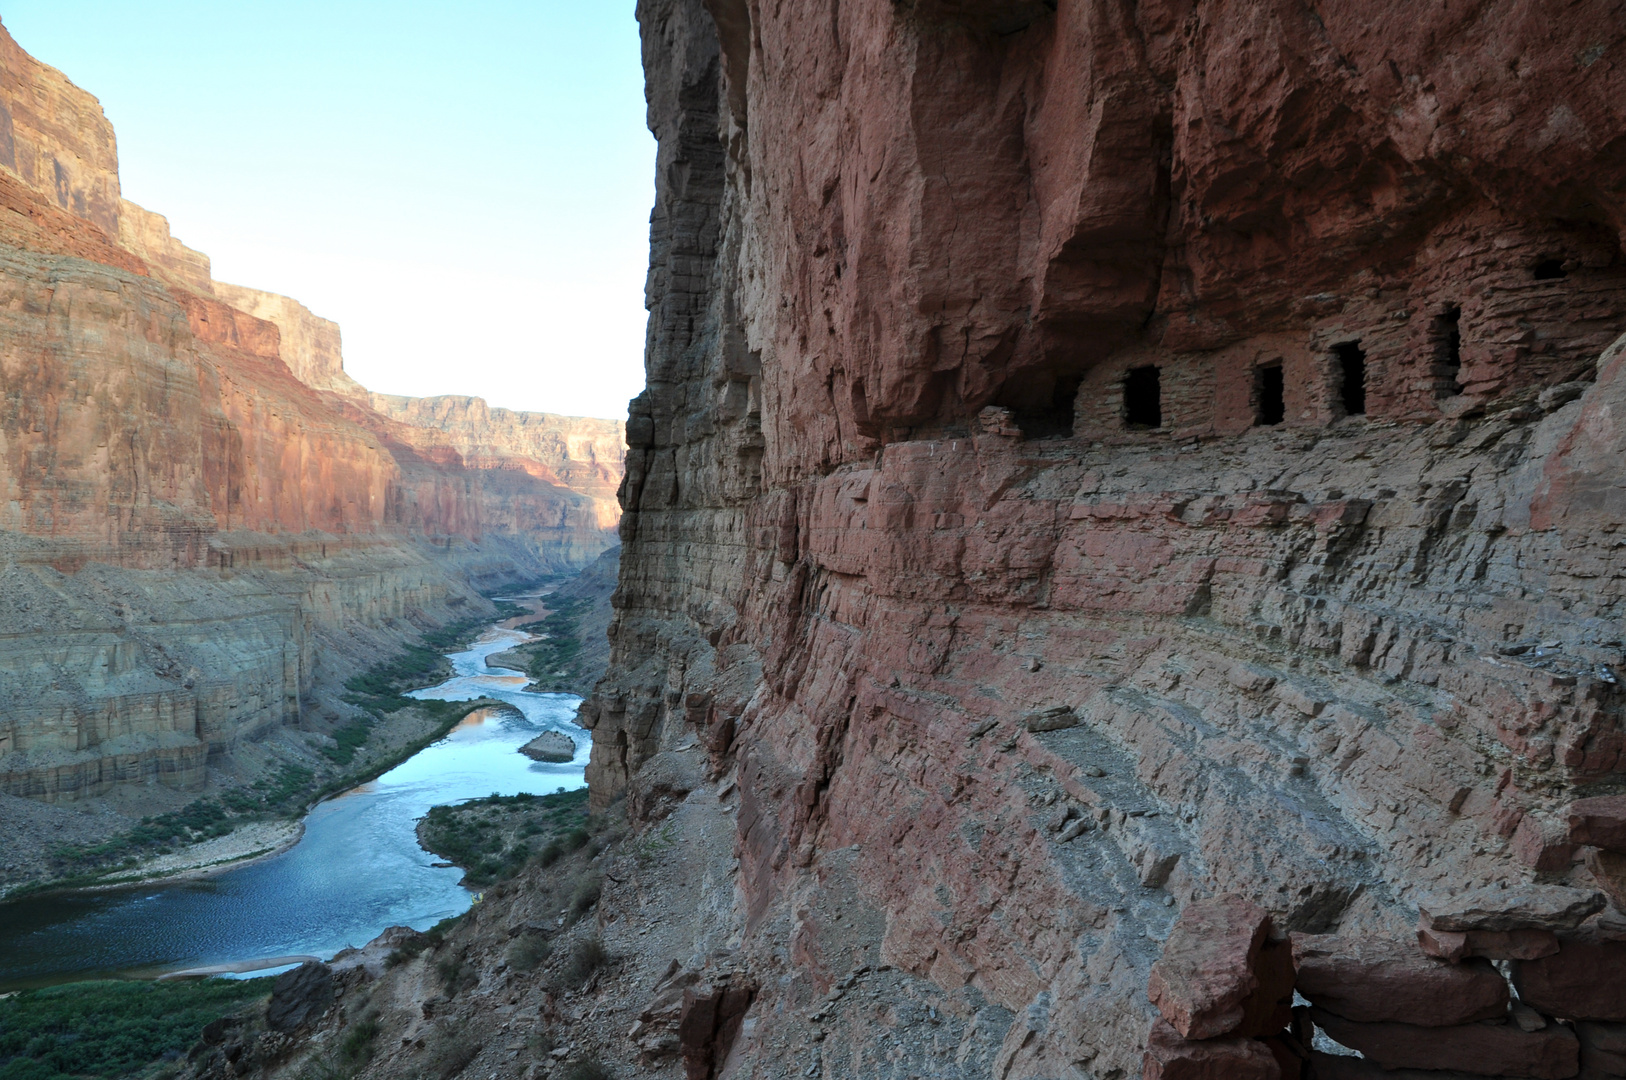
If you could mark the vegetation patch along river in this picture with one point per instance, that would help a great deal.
(357, 870)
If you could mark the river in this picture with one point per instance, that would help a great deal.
(357, 870)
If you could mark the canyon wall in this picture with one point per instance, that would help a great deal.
(204, 525)
(54, 137)
(582, 453)
(147, 235)
(311, 345)
(1192, 424)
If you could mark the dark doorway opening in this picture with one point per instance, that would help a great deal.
(1352, 377)
(1271, 407)
(1446, 332)
(1053, 418)
(1548, 270)
(1143, 398)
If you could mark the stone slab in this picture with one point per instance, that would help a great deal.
(1479, 1049)
(1377, 979)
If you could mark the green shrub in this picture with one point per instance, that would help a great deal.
(528, 951)
(587, 957)
(110, 1029)
(437, 933)
(323, 1068)
(350, 738)
(490, 838)
(585, 895)
(401, 954)
(450, 1054)
(449, 970)
(356, 1048)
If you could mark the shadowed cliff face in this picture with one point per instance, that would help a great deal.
(198, 507)
(890, 489)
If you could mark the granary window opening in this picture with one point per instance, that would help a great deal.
(1548, 270)
(1270, 402)
(1445, 333)
(1143, 398)
(1351, 366)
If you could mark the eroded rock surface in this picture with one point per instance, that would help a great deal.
(1243, 379)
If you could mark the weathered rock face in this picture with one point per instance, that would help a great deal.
(1238, 376)
(147, 234)
(544, 482)
(311, 346)
(195, 501)
(54, 137)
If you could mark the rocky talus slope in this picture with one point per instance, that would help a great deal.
(205, 528)
(1122, 529)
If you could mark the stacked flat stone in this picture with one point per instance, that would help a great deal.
(1597, 832)
(1224, 989)
(1444, 1007)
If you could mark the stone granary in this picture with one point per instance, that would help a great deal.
(1106, 459)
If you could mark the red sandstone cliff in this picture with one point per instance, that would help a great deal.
(1224, 378)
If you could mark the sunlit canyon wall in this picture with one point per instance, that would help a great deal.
(199, 510)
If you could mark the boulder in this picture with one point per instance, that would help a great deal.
(552, 746)
(1599, 822)
(1541, 844)
(299, 997)
(1054, 718)
(709, 1021)
(1603, 1050)
(1522, 907)
(1171, 1057)
(1210, 968)
(1377, 979)
(373, 958)
(1490, 944)
(1478, 1049)
(1584, 980)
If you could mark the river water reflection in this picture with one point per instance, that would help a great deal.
(357, 870)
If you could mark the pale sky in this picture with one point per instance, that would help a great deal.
(465, 188)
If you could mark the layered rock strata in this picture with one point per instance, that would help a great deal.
(1230, 386)
(311, 346)
(582, 453)
(205, 527)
